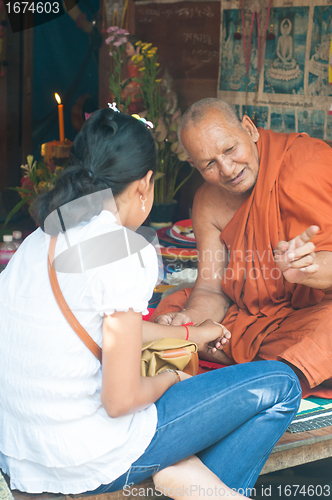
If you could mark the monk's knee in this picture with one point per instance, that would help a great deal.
(298, 372)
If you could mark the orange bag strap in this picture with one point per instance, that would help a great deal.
(65, 309)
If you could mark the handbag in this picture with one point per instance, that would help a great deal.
(175, 354)
(157, 355)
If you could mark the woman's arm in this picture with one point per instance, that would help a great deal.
(123, 389)
(205, 334)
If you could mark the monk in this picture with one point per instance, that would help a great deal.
(263, 226)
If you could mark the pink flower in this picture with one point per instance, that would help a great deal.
(111, 54)
(111, 29)
(109, 39)
(123, 32)
(118, 43)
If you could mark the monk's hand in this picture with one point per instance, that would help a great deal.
(297, 258)
(174, 318)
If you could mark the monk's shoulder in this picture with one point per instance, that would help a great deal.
(207, 192)
(306, 176)
(212, 206)
(206, 198)
(307, 158)
(308, 150)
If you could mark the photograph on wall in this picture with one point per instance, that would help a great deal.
(283, 119)
(329, 127)
(232, 55)
(237, 110)
(293, 94)
(285, 55)
(311, 121)
(319, 52)
(259, 113)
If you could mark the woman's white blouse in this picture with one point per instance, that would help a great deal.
(54, 433)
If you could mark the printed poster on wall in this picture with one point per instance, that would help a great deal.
(279, 76)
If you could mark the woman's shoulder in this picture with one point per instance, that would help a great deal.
(111, 243)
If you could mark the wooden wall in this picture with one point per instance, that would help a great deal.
(15, 107)
(187, 35)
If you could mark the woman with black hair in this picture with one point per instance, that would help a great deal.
(70, 425)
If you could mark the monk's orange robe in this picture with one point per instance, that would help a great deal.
(270, 317)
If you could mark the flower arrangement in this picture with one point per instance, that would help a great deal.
(117, 40)
(171, 157)
(148, 69)
(37, 178)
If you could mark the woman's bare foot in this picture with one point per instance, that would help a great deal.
(191, 478)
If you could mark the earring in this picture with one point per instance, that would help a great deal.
(143, 202)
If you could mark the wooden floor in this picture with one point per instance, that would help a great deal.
(300, 448)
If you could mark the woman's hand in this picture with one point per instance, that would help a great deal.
(209, 336)
(124, 391)
(183, 376)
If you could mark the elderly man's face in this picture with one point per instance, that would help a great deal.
(225, 155)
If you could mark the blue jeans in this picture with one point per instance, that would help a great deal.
(230, 418)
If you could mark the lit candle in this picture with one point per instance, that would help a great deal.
(61, 122)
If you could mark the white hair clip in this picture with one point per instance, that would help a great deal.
(113, 107)
(146, 123)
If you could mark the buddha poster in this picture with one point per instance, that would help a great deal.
(318, 84)
(285, 54)
(233, 56)
(274, 58)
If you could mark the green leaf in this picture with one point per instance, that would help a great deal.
(20, 190)
(183, 182)
(15, 209)
(123, 85)
(126, 104)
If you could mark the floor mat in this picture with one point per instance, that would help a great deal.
(314, 413)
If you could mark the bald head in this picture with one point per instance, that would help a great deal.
(195, 114)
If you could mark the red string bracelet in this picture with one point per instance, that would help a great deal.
(186, 327)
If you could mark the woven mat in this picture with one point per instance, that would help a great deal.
(314, 413)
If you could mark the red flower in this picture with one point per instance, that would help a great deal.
(51, 166)
(27, 183)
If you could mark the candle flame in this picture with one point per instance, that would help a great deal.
(58, 98)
